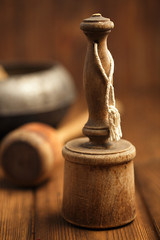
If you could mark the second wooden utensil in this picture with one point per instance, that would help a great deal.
(29, 153)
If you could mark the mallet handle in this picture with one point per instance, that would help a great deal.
(73, 128)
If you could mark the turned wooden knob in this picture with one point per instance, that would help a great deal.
(96, 28)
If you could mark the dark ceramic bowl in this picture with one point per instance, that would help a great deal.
(34, 92)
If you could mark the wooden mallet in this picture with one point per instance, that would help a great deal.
(28, 154)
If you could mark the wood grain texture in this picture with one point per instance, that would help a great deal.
(16, 211)
(143, 118)
(148, 176)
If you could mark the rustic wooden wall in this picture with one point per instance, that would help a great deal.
(43, 30)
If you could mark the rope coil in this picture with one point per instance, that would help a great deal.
(113, 113)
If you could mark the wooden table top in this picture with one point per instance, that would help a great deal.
(34, 214)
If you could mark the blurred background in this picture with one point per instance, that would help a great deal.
(49, 30)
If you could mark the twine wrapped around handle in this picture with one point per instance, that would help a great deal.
(113, 113)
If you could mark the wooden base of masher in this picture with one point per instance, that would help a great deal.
(98, 184)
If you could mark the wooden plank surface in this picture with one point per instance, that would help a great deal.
(143, 128)
(16, 211)
(148, 181)
(36, 213)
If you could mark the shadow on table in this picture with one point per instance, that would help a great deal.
(55, 222)
(7, 184)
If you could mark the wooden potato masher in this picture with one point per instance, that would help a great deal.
(99, 189)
